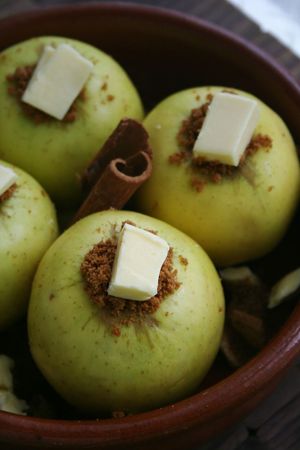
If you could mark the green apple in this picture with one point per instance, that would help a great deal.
(55, 152)
(28, 227)
(149, 364)
(240, 218)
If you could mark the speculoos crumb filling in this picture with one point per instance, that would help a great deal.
(17, 83)
(96, 270)
(205, 171)
(8, 193)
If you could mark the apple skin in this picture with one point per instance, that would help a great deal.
(148, 365)
(235, 220)
(53, 152)
(28, 226)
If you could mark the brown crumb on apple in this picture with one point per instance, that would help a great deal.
(96, 270)
(213, 170)
(8, 193)
(191, 126)
(205, 171)
(17, 83)
(258, 141)
(197, 184)
(178, 157)
(116, 331)
(183, 260)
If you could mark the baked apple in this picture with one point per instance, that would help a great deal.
(28, 227)
(235, 213)
(103, 353)
(56, 151)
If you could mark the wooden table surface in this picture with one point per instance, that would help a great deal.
(275, 424)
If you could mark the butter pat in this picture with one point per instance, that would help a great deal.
(138, 261)
(227, 128)
(8, 401)
(48, 52)
(57, 80)
(7, 178)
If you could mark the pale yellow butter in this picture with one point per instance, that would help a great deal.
(8, 401)
(57, 80)
(138, 261)
(285, 287)
(46, 55)
(7, 178)
(227, 128)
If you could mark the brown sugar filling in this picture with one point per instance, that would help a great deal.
(96, 270)
(8, 193)
(17, 83)
(211, 171)
(191, 126)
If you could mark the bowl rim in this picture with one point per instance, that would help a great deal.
(256, 374)
(160, 13)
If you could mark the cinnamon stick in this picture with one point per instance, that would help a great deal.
(126, 140)
(122, 165)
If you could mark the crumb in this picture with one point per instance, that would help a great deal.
(183, 260)
(197, 184)
(116, 331)
(8, 193)
(110, 98)
(178, 158)
(191, 126)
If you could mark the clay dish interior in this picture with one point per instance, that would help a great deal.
(164, 52)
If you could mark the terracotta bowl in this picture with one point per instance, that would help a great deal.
(163, 52)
